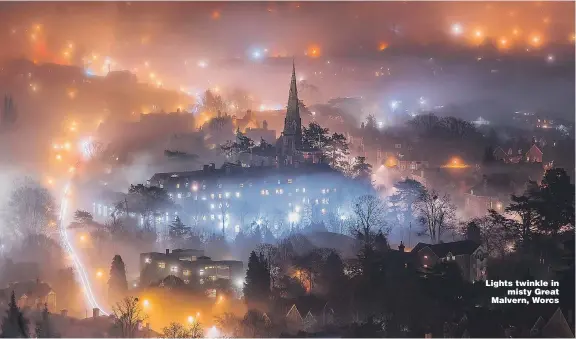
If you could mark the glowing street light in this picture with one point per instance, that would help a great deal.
(456, 29)
(58, 157)
(293, 217)
(99, 274)
(146, 303)
(83, 238)
(190, 319)
(550, 58)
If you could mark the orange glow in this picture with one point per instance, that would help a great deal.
(58, 157)
(216, 15)
(535, 40)
(146, 302)
(50, 181)
(515, 31)
(83, 238)
(382, 46)
(99, 274)
(391, 162)
(313, 51)
(456, 162)
(503, 43)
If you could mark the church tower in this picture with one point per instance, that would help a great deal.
(292, 134)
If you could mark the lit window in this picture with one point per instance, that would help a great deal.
(186, 281)
(212, 196)
(204, 218)
(303, 190)
(211, 206)
(161, 265)
(177, 185)
(161, 185)
(425, 257)
(425, 266)
(263, 192)
(187, 183)
(323, 191)
(179, 195)
(289, 181)
(297, 190)
(211, 216)
(170, 195)
(147, 260)
(186, 272)
(237, 194)
(219, 195)
(201, 272)
(174, 269)
(241, 185)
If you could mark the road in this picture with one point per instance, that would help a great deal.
(79, 268)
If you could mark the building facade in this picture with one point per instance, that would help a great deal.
(187, 264)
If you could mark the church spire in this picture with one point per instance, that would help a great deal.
(293, 89)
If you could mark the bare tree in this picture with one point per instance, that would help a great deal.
(177, 330)
(128, 315)
(31, 209)
(369, 218)
(436, 214)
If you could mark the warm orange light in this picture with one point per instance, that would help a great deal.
(391, 162)
(515, 31)
(83, 238)
(382, 46)
(478, 33)
(313, 51)
(215, 15)
(146, 303)
(50, 181)
(190, 319)
(536, 40)
(455, 162)
(99, 274)
(67, 146)
(503, 43)
(58, 157)
(71, 169)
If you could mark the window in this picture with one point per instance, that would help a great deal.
(211, 216)
(179, 195)
(297, 190)
(186, 272)
(212, 196)
(174, 269)
(425, 257)
(289, 181)
(219, 195)
(303, 190)
(177, 185)
(147, 260)
(186, 281)
(397, 145)
(161, 265)
(237, 194)
(161, 185)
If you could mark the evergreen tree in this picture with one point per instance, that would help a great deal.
(362, 170)
(178, 231)
(117, 283)
(14, 325)
(257, 284)
(44, 327)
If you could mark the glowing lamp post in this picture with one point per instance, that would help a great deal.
(293, 218)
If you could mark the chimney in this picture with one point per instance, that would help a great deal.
(95, 312)
(401, 247)
(206, 168)
(148, 326)
(167, 251)
(212, 166)
(64, 313)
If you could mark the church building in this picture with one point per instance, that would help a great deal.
(290, 150)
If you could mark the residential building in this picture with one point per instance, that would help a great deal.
(493, 193)
(470, 256)
(187, 264)
(30, 294)
(519, 152)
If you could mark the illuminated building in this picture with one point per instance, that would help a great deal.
(187, 264)
(290, 142)
(467, 254)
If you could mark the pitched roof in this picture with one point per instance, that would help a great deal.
(494, 185)
(455, 247)
(31, 288)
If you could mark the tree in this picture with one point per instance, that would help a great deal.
(243, 144)
(14, 325)
(315, 136)
(117, 283)
(271, 255)
(436, 214)
(361, 170)
(555, 203)
(128, 314)
(337, 151)
(149, 201)
(369, 218)
(255, 325)
(178, 231)
(44, 328)
(229, 324)
(257, 284)
(525, 208)
(371, 122)
(31, 210)
(213, 102)
(493, 230)
(177, 330)
(488, 155)
(83, 217)
(408, 191)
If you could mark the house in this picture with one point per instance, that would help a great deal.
(519, 152)
(30, 294)
(470, 256)
(491, 194)
(556, 327)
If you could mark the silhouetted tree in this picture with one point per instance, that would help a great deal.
(555, 201)
(257, 284)
(128, 314)
(436, 214)
(408, 192)
(117, 283)
(14, 325)
(178, 231)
